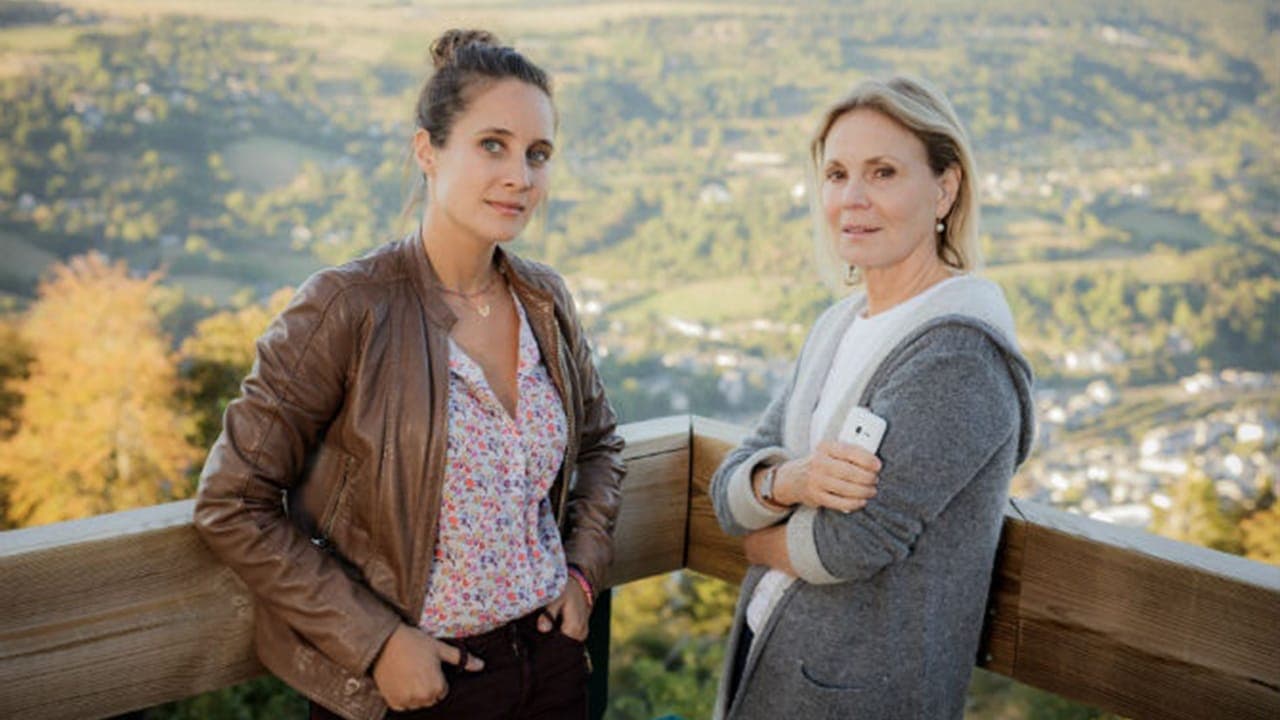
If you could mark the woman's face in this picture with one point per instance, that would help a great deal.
(880, 198)
(492, 172)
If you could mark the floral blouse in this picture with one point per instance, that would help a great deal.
(497, 554)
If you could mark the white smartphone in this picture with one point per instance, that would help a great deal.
(862, 428)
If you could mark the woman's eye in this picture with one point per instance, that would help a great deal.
(539, 156)
(834, 175)
(490, 145)
(883, 172)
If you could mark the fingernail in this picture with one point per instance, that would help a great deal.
(543, 625)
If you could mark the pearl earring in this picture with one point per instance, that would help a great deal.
(940, 227)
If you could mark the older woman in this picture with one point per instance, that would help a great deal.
(869, 574)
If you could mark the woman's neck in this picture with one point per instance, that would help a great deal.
(462, 264)
(887, 287)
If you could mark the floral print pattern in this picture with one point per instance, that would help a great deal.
(498, 554)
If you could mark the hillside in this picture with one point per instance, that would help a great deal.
(1129, 156)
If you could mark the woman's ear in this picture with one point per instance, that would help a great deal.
(424, 152)
(948, 189)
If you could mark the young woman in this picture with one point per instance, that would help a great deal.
(870, 574)
(420, 479)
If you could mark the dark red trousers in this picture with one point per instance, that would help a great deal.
(527, 675)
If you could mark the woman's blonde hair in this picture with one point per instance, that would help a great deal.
(925, 112)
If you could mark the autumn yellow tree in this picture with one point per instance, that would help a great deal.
(98, 428)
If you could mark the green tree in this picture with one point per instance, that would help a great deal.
(217, 356)
(265, 697)
(1260, 534)
(1196, 516)
(668, 639)
(15, 361)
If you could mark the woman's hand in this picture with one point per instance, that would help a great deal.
(572, 610)
(408, 673)
(837, 475)
(768, 546)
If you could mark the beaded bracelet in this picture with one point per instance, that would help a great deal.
(576, 573)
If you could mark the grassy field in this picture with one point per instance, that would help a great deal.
(25, 50)
(1157, 268)
(212, 289)
(716, 301)
(40, 38)
(23, 262)
(280, 268)
(1150, 225)
(262, 162)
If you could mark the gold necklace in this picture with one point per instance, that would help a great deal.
(482, 309)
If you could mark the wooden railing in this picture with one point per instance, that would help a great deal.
(128, 610)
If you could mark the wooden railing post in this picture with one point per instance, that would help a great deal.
(598, 648)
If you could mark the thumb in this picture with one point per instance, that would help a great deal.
(457, 656)
(546, 618)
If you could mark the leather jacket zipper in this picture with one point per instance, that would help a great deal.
(331, 511)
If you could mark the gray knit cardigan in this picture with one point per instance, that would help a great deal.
(884, 621)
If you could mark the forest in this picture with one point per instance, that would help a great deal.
(169, 171)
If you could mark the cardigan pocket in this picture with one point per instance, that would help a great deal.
(813, 695)
(823, 684)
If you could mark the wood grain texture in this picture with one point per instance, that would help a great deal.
(128, 610)
(123, 611)
(1117, 618)
(109, 624)
(650, 535)
(999, 649)
(709, 550)
(1145, 626)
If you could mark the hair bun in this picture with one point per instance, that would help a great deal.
(446, 47)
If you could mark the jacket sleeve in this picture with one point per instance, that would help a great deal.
(951, 405)
(596, 493)
(732, 496)
(295, 389)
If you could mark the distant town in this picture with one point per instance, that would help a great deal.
(1109, 452)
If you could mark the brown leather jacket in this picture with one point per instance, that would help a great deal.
(323, 490)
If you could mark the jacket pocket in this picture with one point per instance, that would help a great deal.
(832, 685)
(325, 523)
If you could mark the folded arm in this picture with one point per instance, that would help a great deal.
(951, 405)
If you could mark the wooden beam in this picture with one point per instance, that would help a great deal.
(115, 613)
(1117, 618)
(1142, 625)
(128, 610)
(649, 537)
(999, 649)
(709, 550)
(123, 611)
